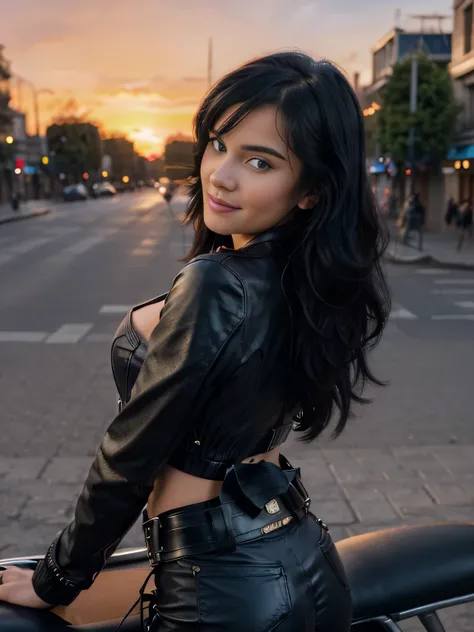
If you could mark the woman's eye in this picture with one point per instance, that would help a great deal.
(217, 144)
(260, 164)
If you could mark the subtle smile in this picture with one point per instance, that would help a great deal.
(220, 206)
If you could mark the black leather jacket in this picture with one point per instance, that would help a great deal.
(216, 382)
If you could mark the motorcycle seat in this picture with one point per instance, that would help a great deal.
(400, 569)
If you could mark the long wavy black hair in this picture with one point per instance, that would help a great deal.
(334, 281)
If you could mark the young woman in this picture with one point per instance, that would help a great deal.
(266, 328)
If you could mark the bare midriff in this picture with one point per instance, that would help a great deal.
(174, 488)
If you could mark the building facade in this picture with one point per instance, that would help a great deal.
(460, 165)
(395, 46)
(6, 149)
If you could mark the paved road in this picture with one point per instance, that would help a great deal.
(65, 282)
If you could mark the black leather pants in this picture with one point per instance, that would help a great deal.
(290, 579)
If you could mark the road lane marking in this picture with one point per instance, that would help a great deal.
(433, 271)
(147, 243)
(69, 333)
(28, 245)
(454, 281)
(451, 291)
(22, 336)
(402, 314)
(115, 309)
(465, 304)
(453, 317)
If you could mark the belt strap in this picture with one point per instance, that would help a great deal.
(179, 534)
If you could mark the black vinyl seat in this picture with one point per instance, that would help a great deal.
(403, 568)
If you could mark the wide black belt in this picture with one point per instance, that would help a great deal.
(219, 526)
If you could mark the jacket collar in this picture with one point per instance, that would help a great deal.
(272, 234)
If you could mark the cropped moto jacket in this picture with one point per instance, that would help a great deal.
(212, 386)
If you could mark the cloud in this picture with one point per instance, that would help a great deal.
(147, 102)
(134, 86)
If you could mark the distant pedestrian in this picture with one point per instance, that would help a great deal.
(464, 222)
(414, 219)
(452, 212)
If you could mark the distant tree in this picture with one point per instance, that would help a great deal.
(178, 157)
(435, 120)
(75, 147)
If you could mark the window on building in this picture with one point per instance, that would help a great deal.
(467, 29)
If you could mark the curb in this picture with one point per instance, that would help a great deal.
(430, 260)
(22, 216)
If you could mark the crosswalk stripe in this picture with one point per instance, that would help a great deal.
(22, 336)
(69, 334)
(115, 309)
(402, 314)
(465, 304)
(454, 281)
(82, 246)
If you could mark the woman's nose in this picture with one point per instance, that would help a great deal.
(222, 178)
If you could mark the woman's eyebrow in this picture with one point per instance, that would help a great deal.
(263, 150)
(260, 148)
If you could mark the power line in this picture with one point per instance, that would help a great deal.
(431, 17)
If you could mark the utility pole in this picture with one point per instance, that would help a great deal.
(411, 133)
(209, 63)
(413, 107)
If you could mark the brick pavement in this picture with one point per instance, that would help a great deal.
(353, 490)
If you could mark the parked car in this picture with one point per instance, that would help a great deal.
(75, 192)
(104, 189)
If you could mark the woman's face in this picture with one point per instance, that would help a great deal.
(252, 170)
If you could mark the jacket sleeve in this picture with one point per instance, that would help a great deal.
(203, 311)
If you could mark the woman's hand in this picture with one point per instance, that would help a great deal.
(16, 587)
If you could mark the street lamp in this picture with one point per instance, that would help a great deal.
(9, 140)
(36, 93)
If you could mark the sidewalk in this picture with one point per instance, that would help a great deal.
(439, 249)
(32, 208)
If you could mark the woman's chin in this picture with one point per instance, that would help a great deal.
(218, 225)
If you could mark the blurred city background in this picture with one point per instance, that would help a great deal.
(96, 108)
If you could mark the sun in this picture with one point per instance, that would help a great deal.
(146, 140)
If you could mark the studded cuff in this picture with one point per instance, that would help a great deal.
(50, 583)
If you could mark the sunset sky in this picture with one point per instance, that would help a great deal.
(140, 66)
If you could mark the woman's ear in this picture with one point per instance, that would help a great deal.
(308, 202)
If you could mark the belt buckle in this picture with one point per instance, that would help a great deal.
(151, 529)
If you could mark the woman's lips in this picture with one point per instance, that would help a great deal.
(219, 207)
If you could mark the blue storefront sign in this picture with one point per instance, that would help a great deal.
(461, 153)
